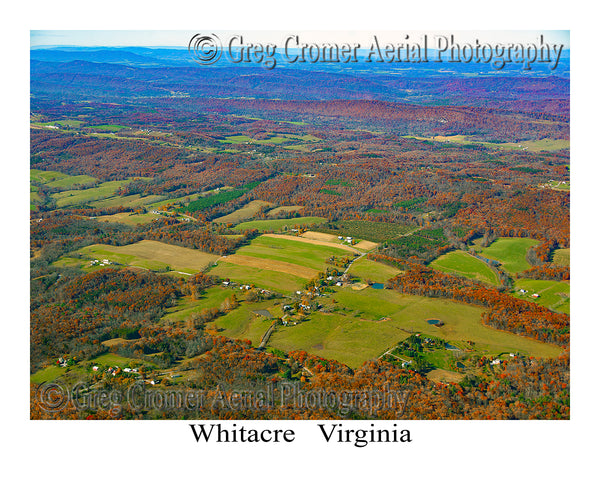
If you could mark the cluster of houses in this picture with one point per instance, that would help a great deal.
(533, 295)
(104, 262)
(115, 370)
(345, 240)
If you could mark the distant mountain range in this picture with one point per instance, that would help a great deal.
(107, 74)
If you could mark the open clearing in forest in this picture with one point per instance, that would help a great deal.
(554, 295)
(294, 250)
(152, 255)
(311, 241)
(376, 272)
(286, 209)
(463, 264)
(272, 265)
(281, 224)
(69, 198)
(562, 256)
(247, 211)
(353, 333)
(510, 252)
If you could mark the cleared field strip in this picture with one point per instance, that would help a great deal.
(562, 256)
(313, 242)
(244, 213)
(280, 282)
(510, 252)
(353, 333)
(279, 224)
(79, 197)
(153, 255)
(272, 265)
(286, 209)
(463, 264)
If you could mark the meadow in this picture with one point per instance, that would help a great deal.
(277, 225)
(268, 279)
(291, 251)
(368, 270)
(553, 295)
(465, 265)
(510, 252)
(562, 256)
(152, 255)
(247, 211)
(373, 231)
(69, 198)
(365, 323)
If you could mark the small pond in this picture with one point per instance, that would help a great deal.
(378, 286)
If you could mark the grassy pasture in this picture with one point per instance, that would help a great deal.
(369, 321)
(286, 209)
(133, 201)
(372, 231)
(153, 256)
(279, 224)
(510, 252)
(465, 265)
(554, 295)
(247, 211)
(47, 374)
(276, 281)
(562, 256)
(212, 298)
(545, 144)
(80, 197)
(243, 323)
(368, 270)
(68, 182)
(243, 139)
(129, 218)
(290, 251)
(45, 176)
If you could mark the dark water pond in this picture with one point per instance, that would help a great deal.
(433, 321)
(378, 286)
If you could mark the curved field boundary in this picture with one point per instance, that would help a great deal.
(314, 242)
(273, 265)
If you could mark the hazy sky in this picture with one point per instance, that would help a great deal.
(180, 38)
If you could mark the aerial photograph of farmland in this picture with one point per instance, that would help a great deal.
(261, 226)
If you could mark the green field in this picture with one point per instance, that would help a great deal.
(285, 209)
(212, 298)
(243, 139)
(108, 128)
(465, 265)
(81, 197)
(243, 323)
(132, 201)
(276, 281)
(291, 251)
(68, 182)
(277, 225)
(554, 295)
(368, 270)
(47, 374)
(562, 256)
(247, 211)
(545, 144)
(129, 218)
(353, 335)
(151, 255)
(510, 252)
